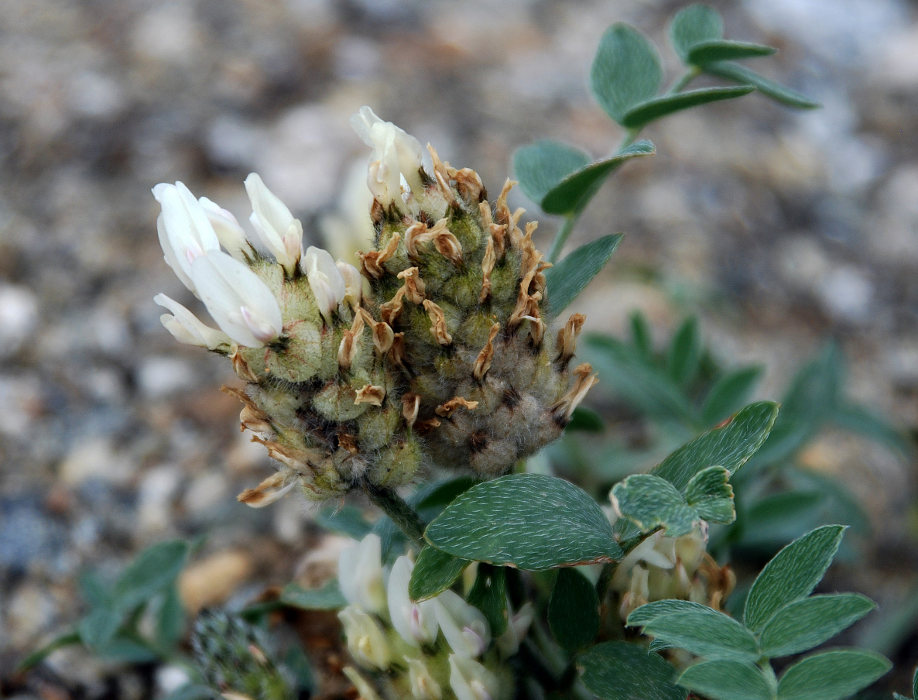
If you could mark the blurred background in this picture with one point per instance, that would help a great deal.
(778, 228)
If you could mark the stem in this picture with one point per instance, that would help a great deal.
(561, 237)
(398, 510)
(684, 80)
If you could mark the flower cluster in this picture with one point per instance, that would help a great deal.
(419, 650)
(446, 358)
(671, 567)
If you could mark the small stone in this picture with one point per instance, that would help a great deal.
(847, 294)
(95, 458)
(18, 317)
(155, 496)
(213, 580)
(30, 610)
(160, 376)
(207, 491)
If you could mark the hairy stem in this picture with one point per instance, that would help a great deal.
(398, 510)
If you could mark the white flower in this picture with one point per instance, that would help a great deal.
(325, 280)
(472, 681)
(464, 626)
(415, 622)
(396, 155)
(185, 232)
(276, 231)
(517, 627)
(230, 234)
(360, 574)
(187, 328)
(241, 304)
(365, 638)
(423, 685)
(353, 283)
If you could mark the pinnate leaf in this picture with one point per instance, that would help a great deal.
(433, 573)
(626, 71)
(811, 621)
(569, 277)
(573, 610)
(694, 25)
(530, 521)
(791, 574)
(831, 675)
(645, 112)
(727, 680)
(624, 671)
(684, 352)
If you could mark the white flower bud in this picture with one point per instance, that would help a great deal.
(185, 327)
(365, 638)
(241, 304)
(276, 231)
(185, 232)
(464, 626)
(325, 280)
(472, 681)
(230, 234)
(396, 155)
(517, 628)
(416, 623)
(423, 685)
(353, 283)
(360, 574)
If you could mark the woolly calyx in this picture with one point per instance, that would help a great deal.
(462, 287)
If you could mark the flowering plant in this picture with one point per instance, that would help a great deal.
(427, 372)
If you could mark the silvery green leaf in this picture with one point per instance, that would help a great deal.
(626, 71)
(791, 575)
(565, 281)
(530, 521)
(647, 111)
(624, 671)
(769, 88)
(811, 621)
(693, 25)
(704, 52)
(831, 675)
(573, 610)
(727, 680)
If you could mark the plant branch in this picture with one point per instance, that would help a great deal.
(561, 237)
(398, 510)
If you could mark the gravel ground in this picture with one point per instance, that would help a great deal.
(781, 227)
